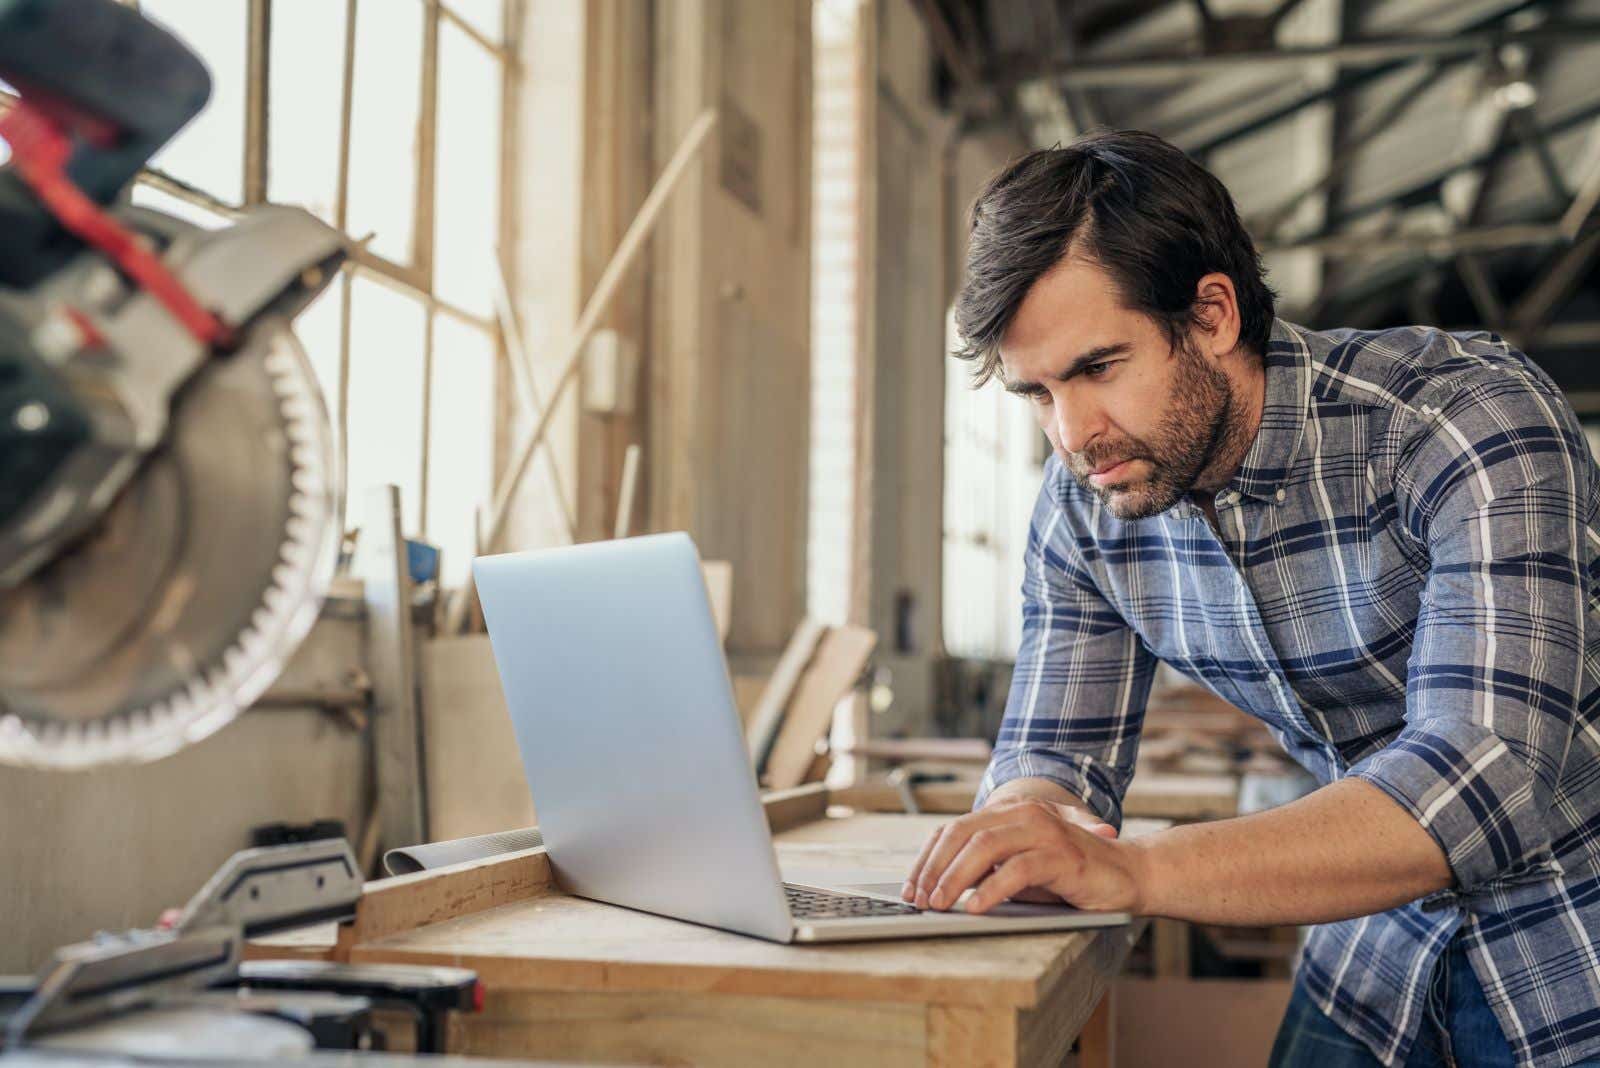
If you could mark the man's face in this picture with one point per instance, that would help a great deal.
(1133, 420)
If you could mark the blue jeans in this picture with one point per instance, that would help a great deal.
(1458, 1031)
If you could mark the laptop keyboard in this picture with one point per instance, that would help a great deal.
(808, 904)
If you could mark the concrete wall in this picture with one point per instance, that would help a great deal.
(109, 849)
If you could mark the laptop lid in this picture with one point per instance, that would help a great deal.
(628, 731)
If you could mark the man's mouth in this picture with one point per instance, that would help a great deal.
(1107, 473)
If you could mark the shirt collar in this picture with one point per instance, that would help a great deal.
(1283, 416)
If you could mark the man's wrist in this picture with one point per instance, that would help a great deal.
(1148, 872)
(1032, 786)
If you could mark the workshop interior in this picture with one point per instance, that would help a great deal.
(306, 305)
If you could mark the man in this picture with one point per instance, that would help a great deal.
(1381, 544)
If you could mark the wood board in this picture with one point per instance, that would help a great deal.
(476, 783)
(841, 656)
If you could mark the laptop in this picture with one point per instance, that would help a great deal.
(635, 756)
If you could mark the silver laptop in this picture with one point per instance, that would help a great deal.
(634, 753)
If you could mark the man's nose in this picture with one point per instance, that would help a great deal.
(1075, 426)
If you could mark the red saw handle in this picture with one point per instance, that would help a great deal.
(40, 148)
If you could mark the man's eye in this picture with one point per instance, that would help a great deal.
(1041, 398)
(1097, 370)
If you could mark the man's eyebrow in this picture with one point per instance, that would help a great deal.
(1094, 355)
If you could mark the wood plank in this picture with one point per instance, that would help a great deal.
(952, 750)
(1169, 944)
(960, 1036)
(787, 809)
(396, 735)
(949, 798)
(390, 907)
(708, 1030)
(1160, 795)
(841, 657)
(719, 587)
(476, 784)
(767, 716)
(1097, 1046)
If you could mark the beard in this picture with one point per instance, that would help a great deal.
(1200, 414)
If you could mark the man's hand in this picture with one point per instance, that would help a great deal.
(1018, 847)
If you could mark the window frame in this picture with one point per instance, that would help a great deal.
(415, 280)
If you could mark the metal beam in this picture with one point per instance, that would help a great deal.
(1482, 239)
(1158, 69)
(1481, 288)
(1544, 297)
(950, 50)
(1473, 162)
(1345, 151)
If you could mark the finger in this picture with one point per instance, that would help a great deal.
(957, 833)
(986, 848)
(909, 891)
(1025, 870)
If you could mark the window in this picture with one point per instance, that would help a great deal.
(993, 465)
(835, 251)
(383, 118)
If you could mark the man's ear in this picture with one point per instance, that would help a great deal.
(1217, 314)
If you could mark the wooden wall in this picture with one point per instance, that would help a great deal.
(728, 372)
(900, 487)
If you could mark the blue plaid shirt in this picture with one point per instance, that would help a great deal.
(1404, 589)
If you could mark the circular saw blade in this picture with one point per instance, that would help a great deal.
(187, 599)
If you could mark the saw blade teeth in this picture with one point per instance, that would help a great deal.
(275, 599)
(298, 530)
(305, 482)
(225, 673)
(261, 619)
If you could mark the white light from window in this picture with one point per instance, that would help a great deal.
(384, 420)
(467, 215)
(460, 441)
(318, 330)
(209, 152)
(387, 95)
(307, 86)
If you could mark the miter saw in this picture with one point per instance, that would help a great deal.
(169, 481)
(169, 522)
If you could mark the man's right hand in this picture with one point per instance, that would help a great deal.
(1017, 791)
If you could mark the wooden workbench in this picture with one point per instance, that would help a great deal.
(578, 980)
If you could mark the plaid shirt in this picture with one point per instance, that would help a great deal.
(1404, 589)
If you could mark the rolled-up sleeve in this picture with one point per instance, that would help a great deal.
(1496, 480)
(1082, 676)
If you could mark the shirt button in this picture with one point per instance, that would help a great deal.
(1281, 495)
(1232, 498)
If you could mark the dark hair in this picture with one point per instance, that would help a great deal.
(1153, 218)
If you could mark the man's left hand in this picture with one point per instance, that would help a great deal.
(1015, 849)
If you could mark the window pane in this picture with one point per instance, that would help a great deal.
(209, 152)
(318, 330)
(385, 407)
(307, 86)
(468, 203)
(383, 125)
(148, 196)
(481, 15)
(461, 440)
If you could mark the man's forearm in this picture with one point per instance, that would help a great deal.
(1344, 850)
